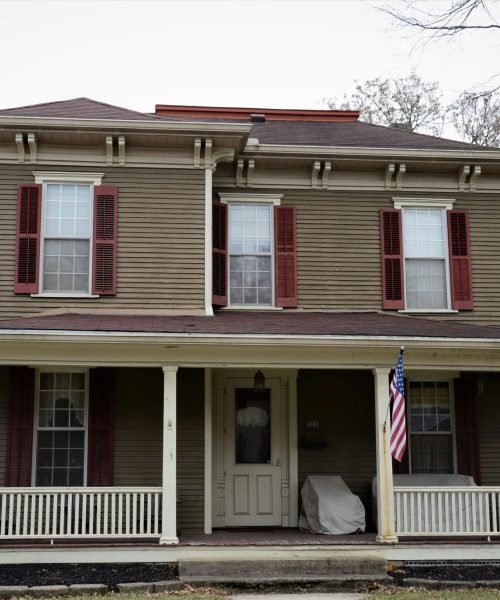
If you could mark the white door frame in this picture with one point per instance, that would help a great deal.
(287, 381)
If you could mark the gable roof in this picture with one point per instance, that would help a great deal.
(77, 108)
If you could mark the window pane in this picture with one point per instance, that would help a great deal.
(66, 266)
(423, 232)
(429, 406)
(426, 284)
(249, 228)
(67, 210)
(252, 426)
(250, 280)
(432, 453)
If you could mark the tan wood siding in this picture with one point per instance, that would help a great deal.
(343, 404)
(338, 251)
(161, 246)
(138, 437)
(489, 429)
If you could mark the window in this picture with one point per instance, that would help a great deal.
(61, 429)
(425, 258)
(250, 254)
(66, 238)
(431, 437)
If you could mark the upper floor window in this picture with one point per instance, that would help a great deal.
(66, 238)
(250, 254)
(254, 253)
(426, 262)
(426, 257)
(66, 235)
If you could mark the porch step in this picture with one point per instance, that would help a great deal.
(325, 569)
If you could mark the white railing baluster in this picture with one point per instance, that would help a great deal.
(84, 512)
(134, 514)
(106, 515)
(494, 512)
(113, 514)
(98, 514)
(157, 514)
(127, 513)
(148, 525)
(120, 514)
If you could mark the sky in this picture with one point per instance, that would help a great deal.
(258, 53)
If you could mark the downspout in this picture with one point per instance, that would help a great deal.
(209, 311)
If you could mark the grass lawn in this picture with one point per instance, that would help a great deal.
(416, 594)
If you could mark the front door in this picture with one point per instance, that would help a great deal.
(253, 456)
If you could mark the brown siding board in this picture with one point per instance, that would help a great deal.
(160, 218)
(343, 403)
(138, 437)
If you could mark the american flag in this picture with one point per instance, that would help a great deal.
(398, 426)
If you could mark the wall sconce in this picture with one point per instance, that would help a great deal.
(259, 381)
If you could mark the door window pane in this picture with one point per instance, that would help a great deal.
(252, 426)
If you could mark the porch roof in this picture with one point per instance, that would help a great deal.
(267, 323)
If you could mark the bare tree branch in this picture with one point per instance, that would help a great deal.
(450, 22)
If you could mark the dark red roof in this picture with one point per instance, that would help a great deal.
(77, 108)
(259, 323)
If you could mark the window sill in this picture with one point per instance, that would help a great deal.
(428, 311)
(56, 295)
(251, 307)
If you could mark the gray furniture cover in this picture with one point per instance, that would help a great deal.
(329, 506)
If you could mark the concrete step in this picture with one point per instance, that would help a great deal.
(283, 568)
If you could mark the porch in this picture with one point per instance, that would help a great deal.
(159, 446)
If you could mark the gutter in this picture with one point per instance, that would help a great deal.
(126, 124)
(359, 152)
(117, 337)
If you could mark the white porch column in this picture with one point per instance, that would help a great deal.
(208, 451)
(385, 493)
(169, 483)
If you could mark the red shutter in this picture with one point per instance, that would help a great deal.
(460, 262)
(105, 226)
(466, 427)
(219, 254)
(391, 245)
(20, 427)
(285, 256)
(100, 442)
(29, 204)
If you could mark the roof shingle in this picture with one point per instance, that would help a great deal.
(259, 323)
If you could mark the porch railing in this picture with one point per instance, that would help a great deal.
(447, 511)
(102, 512)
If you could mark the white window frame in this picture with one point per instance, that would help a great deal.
(67, 178)
(57, 369)
(444, 204)
(427, 378)
(263, 199)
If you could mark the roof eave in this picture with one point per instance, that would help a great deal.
(249, 339)
(288, 150)
(188, 127)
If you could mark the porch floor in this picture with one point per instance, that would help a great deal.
(272, 537)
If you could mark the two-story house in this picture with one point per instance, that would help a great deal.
(201, 307)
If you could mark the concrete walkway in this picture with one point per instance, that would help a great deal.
(307, 596)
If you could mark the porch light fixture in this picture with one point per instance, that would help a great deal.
(259, 381)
